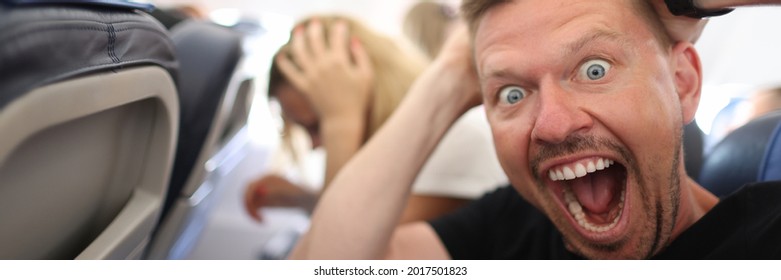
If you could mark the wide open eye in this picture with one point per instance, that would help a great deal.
(594, 69)
(511, 95)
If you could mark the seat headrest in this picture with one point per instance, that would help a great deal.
(122, 4)
(736, 160)
(209, 55)
(44, 44)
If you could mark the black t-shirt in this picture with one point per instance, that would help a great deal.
(502, 225)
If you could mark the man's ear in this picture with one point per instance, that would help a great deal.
(688, 78)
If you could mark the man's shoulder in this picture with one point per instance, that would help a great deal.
(743, 225)
(768, 186)
(756, 200)
(501, 199)
(507, 200)
(499, 225)
(762, 190)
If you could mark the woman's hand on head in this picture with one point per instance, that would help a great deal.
(334, 73)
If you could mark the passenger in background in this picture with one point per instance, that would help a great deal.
(428, 24)
(340, 81)
(742, 110)
(764, 101)
(174, 15)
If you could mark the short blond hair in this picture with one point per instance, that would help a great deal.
(474, 10)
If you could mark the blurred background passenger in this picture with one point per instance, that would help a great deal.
(741, 108)
(173, 15)
(764, 101)
(322, 73)
(428, 24)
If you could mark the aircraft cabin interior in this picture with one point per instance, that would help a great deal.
(132, 129)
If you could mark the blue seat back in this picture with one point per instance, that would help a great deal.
(737, 159)
(770, 169)
(210, 56)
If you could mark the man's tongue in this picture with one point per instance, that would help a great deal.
(595, 191)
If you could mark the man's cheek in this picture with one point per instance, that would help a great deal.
(512, 154)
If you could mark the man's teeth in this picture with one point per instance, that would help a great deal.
(579, 169)
(577, 211)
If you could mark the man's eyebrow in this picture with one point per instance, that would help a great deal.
(591, 37)
(569, 49)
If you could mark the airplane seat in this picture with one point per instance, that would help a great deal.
(725, 120)
(209, 56)
(88, 114)
(239, 113)
(738, 158)
(770, 168)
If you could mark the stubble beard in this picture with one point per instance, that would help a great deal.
(648, 244)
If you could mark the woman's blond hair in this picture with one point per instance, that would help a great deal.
(395, 69)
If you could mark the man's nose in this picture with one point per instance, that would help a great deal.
(559, 116)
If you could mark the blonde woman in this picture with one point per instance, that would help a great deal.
(340, 81)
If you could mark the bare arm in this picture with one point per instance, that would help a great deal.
(357, 216)
(427, 207)
(416, 241)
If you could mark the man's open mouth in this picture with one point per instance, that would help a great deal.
(593, 191)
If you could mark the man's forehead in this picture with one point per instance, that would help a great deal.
(573, 45)
(530, 15)
(547, 24)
